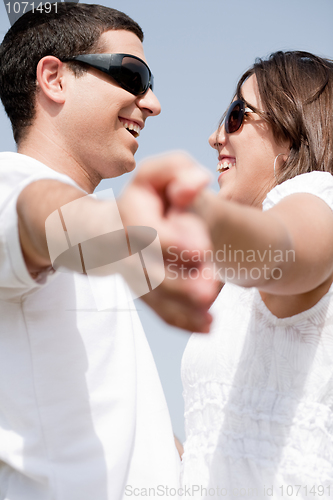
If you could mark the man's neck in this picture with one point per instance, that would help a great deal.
(54, 155)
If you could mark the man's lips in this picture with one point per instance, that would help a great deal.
(134, 127)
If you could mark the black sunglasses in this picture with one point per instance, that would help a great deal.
(235, 116)
(130, 72)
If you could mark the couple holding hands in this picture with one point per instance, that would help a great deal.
(82, 412)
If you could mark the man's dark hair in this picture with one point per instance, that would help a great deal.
(67, 31)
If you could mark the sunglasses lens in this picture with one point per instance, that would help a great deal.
(234, 117)
(134, 76)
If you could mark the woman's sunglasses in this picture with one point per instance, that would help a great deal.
(235, 116)
(130, 72)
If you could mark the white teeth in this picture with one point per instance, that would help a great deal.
(132, 126)
(221, 167)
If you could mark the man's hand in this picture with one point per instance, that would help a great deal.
(159, 197)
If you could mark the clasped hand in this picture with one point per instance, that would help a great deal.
(160, 196)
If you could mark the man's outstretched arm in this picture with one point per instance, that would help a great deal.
(157, 197)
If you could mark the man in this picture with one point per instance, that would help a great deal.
(82, 413)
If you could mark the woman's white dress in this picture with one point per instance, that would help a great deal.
(258, 391)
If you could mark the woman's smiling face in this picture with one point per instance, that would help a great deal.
(249, 153)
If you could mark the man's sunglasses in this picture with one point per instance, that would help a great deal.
(130, 72)
(235, 116)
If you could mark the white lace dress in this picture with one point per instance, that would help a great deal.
(259, 392)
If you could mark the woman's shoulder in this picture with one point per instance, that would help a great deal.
(317, 183)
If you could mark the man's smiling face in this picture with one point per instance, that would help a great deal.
(103, 119)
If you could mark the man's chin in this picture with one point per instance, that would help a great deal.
(121, 169)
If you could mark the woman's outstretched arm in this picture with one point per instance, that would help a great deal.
(286, 250)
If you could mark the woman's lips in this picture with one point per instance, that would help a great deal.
(225, 164)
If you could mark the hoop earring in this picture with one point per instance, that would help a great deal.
(280, 154)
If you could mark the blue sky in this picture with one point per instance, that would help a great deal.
(197, 50)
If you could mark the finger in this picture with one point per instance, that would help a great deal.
(178, 169)
(177, 314)
(185, 230)
(195, 287)
(183, 190)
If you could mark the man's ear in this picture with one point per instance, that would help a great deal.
(51, 78)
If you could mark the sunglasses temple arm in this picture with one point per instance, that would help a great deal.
(98, 61)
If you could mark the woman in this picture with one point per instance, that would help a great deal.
(259, 388)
